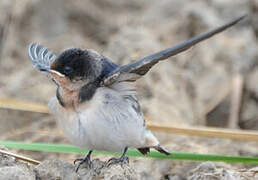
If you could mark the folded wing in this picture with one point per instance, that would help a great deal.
(135, 70)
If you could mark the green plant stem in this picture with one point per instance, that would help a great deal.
(62, 148)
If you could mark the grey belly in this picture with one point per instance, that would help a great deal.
(111, 128)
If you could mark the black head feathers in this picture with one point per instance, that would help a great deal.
(76, 64)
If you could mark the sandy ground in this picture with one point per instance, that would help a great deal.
(192, 89)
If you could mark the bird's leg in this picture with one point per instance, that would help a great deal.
(85, 160)
(122, 160)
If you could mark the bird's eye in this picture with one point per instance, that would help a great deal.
(67, 70)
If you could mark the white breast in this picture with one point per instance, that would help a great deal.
(110, 121)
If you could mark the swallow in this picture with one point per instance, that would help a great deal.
(96, 104)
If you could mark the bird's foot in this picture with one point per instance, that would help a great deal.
(85, 160)
(122, 161)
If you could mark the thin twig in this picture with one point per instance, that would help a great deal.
(23, 158)
(207, 132)
(236, 99)
(6, 28)
(197, 131)
(23, 106)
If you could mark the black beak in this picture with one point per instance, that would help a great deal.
(44, 69)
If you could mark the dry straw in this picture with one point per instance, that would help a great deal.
(192, 131)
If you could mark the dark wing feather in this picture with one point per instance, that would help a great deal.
(40, 56)
(108, 66)
(142, 66)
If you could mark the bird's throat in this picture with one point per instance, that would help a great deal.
(67, 98)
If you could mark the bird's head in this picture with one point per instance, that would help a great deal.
(74, 68)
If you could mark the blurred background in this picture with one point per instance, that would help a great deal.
(213, 84)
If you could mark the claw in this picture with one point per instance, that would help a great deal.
(78, 159)
(122, 161)
(85, 160)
